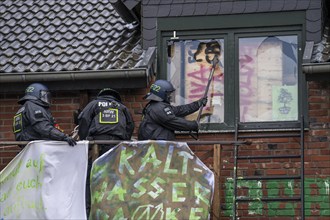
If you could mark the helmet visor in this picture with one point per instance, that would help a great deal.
(45, 96)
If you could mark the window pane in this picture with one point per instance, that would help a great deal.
(268, 79)
(189, 68)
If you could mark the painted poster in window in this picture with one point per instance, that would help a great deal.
(284, 99)
(190, 64)
(266, 63)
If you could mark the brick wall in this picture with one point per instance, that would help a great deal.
(317, 156)
(64, 104)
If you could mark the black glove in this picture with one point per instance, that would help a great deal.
(198, 126)
(70, 141)
(202, 101)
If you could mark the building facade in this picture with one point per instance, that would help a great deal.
(270, 88)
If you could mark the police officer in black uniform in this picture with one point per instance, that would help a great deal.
(161, 119)
(34, 121)
(104, 118)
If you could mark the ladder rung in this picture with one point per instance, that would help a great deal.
(246, 199)
(269, 136)
(268, 177)
(267, 157)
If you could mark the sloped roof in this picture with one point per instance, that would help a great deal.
(316, 63)
(321, 50)
(61, 35)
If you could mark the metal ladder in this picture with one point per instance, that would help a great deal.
(299, 198)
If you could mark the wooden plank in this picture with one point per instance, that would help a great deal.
(216, 205)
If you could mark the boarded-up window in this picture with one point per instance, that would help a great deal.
(268, 79)
(189, 67)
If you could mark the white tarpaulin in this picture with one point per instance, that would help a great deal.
(46, 180)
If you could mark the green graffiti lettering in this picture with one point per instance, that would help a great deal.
(5, 195)
(254, 191)
(317, 192)
(100, 214)
(144, 212)
(176, 192)
(171, 214)
(117, 190)
(168, 161)
(124, 157)
(29, 184)
(138, 186)
(185, 156)
(42, 163)
(37, 164)
(23, 203)
(12, 174)
(316, 195)
(159, 189)
(119, 215)
(97, 196)
(193, 212)
(159, 209)
(150, 157)
(201, 193)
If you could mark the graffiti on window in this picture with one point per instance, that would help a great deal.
(189, 69)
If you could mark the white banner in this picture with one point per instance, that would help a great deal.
(46, 180)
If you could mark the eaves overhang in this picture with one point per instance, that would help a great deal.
(134, 78)
(78, 80)
(316, 71)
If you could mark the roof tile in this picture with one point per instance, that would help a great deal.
(201, 9)
(213, 8)
(65, 35)
(277, 5)
(188, 9)
(176, 9)
(264, 5)
(238, 7)
(302, 4)
(251, 6)
(164, 10)
(226, 7)
(290, 5)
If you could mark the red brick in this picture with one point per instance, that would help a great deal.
(275, 172)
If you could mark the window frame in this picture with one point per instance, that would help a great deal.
(231, 28)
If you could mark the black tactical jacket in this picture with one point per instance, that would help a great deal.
(105, 116)
(34, 121)
(160, 120)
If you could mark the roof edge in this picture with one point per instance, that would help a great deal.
(316, 71)
(316, 68)
(73, 75)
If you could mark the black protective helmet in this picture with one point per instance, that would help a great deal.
(111, 92)
(37, 91)
(160, 91)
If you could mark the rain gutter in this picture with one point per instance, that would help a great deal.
(316, 71)
(73, 75)
(316, 68)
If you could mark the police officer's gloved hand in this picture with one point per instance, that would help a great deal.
(202, 101)
(70, 141)
(198, 126)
